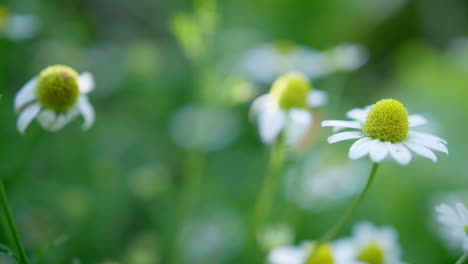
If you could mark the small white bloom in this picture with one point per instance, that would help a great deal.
(386, 129)
(286, 107)
(55, 97)
(17, 26)
(267, 62)
(326, 254)
(370, 244)
(456, 222)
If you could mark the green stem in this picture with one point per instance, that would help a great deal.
(4, 201)
(270, 181)
(347, 216)
(463, 258)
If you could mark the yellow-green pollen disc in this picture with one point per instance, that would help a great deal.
(57, 87)
(284, 47)
(466, 229)
(371, 254)
(290, 90)
(388, 121)
(322, 256)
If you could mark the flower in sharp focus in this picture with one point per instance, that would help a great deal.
(386, 129)
(370, 245)
(55, 97)
(287, 107)
(326, 254)
(455, 221)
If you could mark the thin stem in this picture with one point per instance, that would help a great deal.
(348, 214)
(463, 258)
(270, 181)
(4, 201)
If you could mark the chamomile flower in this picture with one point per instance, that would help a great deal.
(287, 107)
(385, 128)
(55, 97)
(17, 26)
(370, 245)
(326, 254)
(456, 222)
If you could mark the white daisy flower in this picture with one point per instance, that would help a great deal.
(287, 107)
(17, 26)
(267, 62)
(456, 222)
(326, 254)
(386, 129)
(370, 245)
(55, 97)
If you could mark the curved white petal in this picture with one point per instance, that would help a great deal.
(51, 121)
(258, 105)
(414, 134)
(300, 120)
(360, 148)
(378, 150)
(339, 123)
(26, 116)
(399, 152)
(358, 114)
(448, 216)
(317, 98)
(462, 212)
(86, 82)
(25, 95)
(271, 121)
(344, 136)
(87, 111)
(416, 120)
(429, 141)
(422, 151)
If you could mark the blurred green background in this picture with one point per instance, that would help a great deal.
(171, 169)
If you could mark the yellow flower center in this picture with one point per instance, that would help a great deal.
(284, 47)
(57, 87)
(290, 90)
(388, 121)
(322, 256)
(371, 254)
(466, 229)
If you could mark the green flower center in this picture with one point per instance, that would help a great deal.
(388, 121)
(290, 90)
(322, 256)
(284, 47)
(57, 87)
(466, 229)
(371, 254)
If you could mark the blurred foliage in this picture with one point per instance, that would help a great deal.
(114, 194)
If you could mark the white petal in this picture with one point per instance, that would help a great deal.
(429, 141)
(87, 111)
(360, 148)
(25, 95)
(86, 82)
(462, 212)
(378, 150)
(271, 121)
(300, 116)
(344, 136)
(300, 122)
(422, 151)
(358, 114)
(317, 98)
(51, 121)
(339, 123)
(414, 134)
(258, 105)
(399, 152)
(448, 216)
(26, 116)
(416, 120)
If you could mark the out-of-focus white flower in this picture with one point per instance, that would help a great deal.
(370, 245)
(287, 107)
(203, 128)
(267, 62)
(386, 129)
(274, 236)
(17, 26)
(456, 223)
(326, 254)
(316, 185)
(56, 96)
(458, 52)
